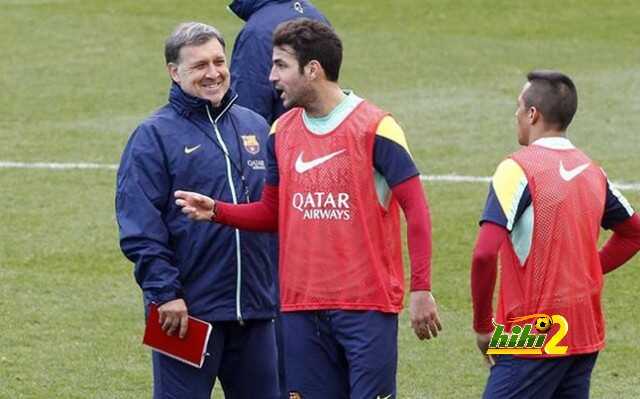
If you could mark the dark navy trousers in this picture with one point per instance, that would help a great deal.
(340, 354)
(557, 378)
(242, 357)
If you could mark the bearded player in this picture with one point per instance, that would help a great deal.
(339, 169)
(543, 215)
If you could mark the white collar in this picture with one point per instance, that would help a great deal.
(554, 143)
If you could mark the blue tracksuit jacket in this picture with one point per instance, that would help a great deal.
(222, 273)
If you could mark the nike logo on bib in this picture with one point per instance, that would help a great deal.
(302, 166)
(568, 175)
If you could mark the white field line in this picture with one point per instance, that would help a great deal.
(55, 166)
(456, 178)
(486, 179)
(451, 178)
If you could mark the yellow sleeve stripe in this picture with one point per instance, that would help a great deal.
(389, 129)
(509, 183)
(273, 127)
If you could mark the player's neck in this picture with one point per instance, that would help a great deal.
(328, 96)
(535, 135)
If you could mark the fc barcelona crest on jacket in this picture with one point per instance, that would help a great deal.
(251, 144)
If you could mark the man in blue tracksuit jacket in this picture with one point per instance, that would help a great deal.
(251, 57)
(201, 141)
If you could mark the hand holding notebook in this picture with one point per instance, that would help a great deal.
(191, 349)
(174, 317)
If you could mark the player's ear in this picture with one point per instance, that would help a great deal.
(313, 69)
(533, 115)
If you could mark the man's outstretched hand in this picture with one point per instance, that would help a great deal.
(195, 206)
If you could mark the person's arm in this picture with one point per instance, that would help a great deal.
(484, 265)
(411, 198)
(392, 159)
(498, 217)
(422, 308)
(620, 217)
(484, 271)
(256, 216)
(622, 245)
(143, 188)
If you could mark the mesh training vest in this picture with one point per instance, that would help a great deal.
(339, 247)
(562, 273)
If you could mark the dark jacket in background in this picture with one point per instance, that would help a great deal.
(251, 57)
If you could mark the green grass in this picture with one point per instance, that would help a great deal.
(78, 76)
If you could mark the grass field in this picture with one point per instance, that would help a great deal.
(78, 76)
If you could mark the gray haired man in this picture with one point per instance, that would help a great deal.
(201, 141)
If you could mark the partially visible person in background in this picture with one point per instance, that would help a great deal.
(251, 57)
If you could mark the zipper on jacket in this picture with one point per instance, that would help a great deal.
(234, 197)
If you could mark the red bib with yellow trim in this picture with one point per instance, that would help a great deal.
(562, 273)
(339, 247)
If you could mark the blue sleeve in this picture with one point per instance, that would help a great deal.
(391, 156)
(509, 195)
(492, 210)
(142, 194)
(617, 209)
(494, 213)
(393, 161)
(273, 176)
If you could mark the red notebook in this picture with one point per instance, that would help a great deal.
(191, 349)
